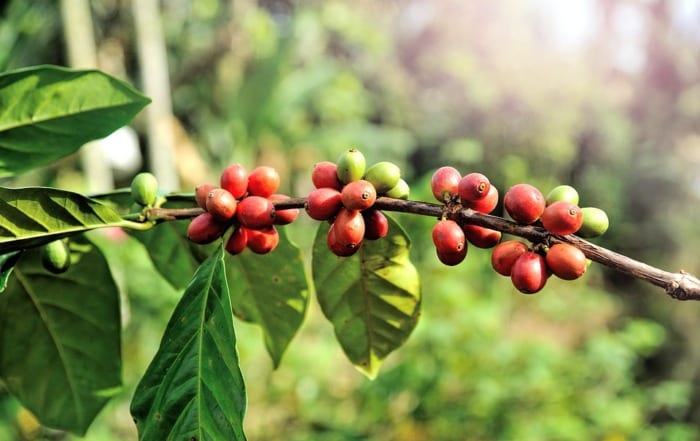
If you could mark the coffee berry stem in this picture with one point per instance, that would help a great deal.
(680, 286)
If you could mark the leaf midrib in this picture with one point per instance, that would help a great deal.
(34, 122)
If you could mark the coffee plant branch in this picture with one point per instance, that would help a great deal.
(680, 286)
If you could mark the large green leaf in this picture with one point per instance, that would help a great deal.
(372, 298)
(60, 336)
(47, 112)
(33, 216)
(272, 291)
(193, 388)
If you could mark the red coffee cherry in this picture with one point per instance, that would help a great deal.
(562, 218)
(221, 204)
(264, 240)
(444, 183)
(336, 247)
(566, 261)
(325, 174)
(486, 204)
(450, 242)
(234, 178)
(358, 195)
(237, 241)
(204, 229)
(473, 187)
(529, 273)
(524, 203)
(481, 237)
(255, 212)
(200, 194)
(286, 216)
(263, 181)
(505, 254)
(376, 224)
(349, 228)
(323, 203)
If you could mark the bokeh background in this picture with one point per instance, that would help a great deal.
(600, 94)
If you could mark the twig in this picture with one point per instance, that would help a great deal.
(680, 285)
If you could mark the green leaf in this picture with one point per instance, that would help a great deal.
(34, 216)
(272, 291)
(7, 264)
(60, 349)
(372, 298)
(48, 112)
(193, 388)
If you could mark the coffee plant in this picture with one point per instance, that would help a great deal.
(59, 306)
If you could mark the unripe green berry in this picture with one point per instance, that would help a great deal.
(399, 191)
(565, 193)
(55, 256)
(595, 222)
(383, 175)
(144, 188)
(351, 166)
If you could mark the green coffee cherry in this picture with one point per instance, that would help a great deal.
(383, 175)
(144, 188)
(565, 193)
(351, 166)
(595, 222)
(399, 191)
(55, 256)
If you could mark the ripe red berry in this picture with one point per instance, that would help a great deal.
(286, 216)
(562, 218)
(325, 174)
(481, 237)
(444, 183)
(205, 229)
(358, 195)
(336, 247)
(255, 212)
(473, 187)
(263, 181)
(323, 203)
(201, 192)
(524, 203)
(237, 241)
(376, 224)
(450, 242)
(264, 240)
(566, 261)
(451, 259)
(221, 204)
(505, 254)
(349, 226)
(486, 204)
(234, 178)
(529, 272)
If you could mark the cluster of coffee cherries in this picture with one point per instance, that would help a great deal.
(473, 190)
(529, 267)
(242, 203)
(344, 195)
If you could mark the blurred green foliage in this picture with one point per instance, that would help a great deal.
(482, 86)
